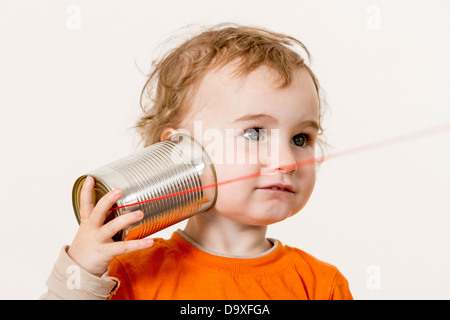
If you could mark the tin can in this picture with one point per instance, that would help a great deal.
(168, 181)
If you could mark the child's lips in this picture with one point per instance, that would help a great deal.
(277, 191)
(278, 188)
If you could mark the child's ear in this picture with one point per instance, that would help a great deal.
(167, 133)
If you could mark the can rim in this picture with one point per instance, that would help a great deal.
(206, 158)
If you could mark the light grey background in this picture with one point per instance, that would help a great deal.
(69, 96)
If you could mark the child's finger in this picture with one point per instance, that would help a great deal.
(86, 205)
(119, 223)
(122, 247)
(105, 203)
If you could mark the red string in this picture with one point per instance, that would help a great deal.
(302, 163)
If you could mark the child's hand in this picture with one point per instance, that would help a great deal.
(93, 247)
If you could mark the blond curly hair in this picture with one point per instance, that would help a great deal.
(174, 77)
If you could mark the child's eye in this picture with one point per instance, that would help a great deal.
(301, 140)
(253, 134)
(257, 134)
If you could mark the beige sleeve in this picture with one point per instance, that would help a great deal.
(68, 281)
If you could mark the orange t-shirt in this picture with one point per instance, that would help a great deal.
(178, 269)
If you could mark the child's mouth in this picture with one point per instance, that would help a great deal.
(278, 188)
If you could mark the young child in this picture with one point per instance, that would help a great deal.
(243, 82)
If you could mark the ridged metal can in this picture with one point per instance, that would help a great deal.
(168, 181)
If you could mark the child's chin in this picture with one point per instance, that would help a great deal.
(268, 219)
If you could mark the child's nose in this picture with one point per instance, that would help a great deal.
(282, 159)
(288, 168)
(287, 163)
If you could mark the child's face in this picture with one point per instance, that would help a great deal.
(222, 99)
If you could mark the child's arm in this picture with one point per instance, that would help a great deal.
(69, 281)
(93, 249)
(340, 289)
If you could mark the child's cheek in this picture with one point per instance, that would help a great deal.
(235, 180)
(307, 182)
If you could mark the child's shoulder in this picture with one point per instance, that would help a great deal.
(326, 279)
(307, 261)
